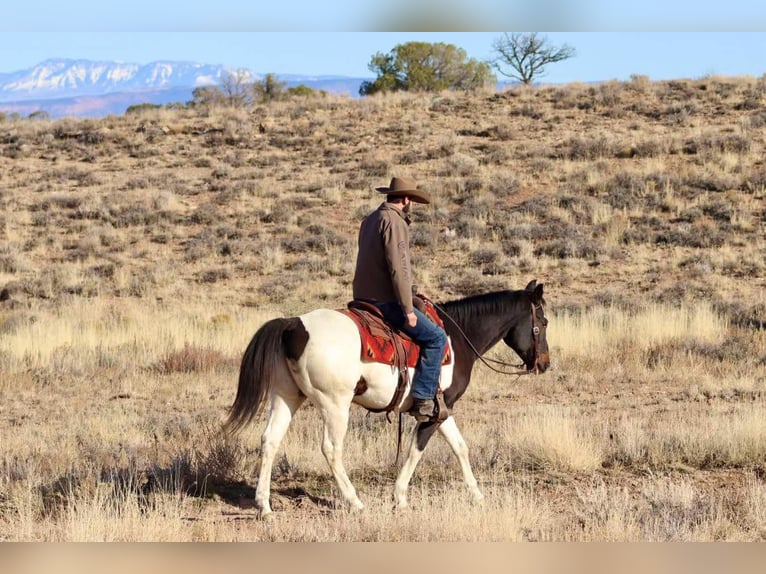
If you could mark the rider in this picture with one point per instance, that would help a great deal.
(383, 277)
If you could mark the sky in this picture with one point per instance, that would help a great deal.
(599, 56)
(390, 15)
(662, 39)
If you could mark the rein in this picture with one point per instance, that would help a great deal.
(517, 373)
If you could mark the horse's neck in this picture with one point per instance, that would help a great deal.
(485, 330)
(484, 337)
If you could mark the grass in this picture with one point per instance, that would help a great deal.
(103, 331)
(552, 439)
(598, 330)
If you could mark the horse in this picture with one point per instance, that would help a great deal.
(317, 356)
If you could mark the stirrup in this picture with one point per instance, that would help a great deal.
(442, 412)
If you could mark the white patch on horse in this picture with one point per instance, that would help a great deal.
(340, 366)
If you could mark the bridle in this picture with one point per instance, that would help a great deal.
(536, 338)
(535, 369)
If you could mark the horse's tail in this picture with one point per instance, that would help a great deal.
(263, 359)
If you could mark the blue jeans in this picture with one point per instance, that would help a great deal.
(430, 338)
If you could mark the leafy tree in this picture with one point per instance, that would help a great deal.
(268, 89)
(206, 96)
(523, 56)
(425, 67)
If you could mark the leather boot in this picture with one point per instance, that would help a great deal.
(423, 409)
(429, 409)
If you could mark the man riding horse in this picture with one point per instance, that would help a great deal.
(319, 356)
(383, 277)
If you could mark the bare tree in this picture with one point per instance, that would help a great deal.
(236, 87)
(523, 56)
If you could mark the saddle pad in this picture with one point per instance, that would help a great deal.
(377, 344)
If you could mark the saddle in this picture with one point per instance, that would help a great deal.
(381, 343)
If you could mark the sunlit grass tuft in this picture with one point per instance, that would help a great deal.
(554, 439)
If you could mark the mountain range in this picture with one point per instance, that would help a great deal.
(85, 88)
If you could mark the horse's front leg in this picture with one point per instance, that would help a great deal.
(421, 434)
(451, 433)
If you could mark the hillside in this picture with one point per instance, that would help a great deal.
(624, 192)
(139, 254)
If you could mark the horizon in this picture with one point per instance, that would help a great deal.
(599, 56)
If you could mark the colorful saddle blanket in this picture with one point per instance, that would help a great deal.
(378, 337)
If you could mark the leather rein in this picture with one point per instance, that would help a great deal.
(535, 335)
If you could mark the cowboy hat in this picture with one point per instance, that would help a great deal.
(401, 186)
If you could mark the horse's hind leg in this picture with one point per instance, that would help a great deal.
(454, 438)
(335, 427)
(280, 415)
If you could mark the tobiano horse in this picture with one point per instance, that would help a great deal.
(317, 356)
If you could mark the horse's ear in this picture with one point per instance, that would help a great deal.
(537, 296)
(531, 285)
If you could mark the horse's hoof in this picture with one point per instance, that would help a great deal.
(401, 507)
(477, 499)
(266, 516)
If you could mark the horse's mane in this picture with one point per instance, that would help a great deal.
(462, 310)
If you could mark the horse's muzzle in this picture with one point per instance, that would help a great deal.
(541, 365)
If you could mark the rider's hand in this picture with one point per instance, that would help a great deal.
(412, 319)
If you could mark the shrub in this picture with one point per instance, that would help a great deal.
(505, 185)
(586, 148)
(488, 260)
(193, 359)
(571, 247)
(214, 275)
(699, 236)
(140, 108)
(304, 91)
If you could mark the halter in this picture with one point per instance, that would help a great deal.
(535, 337)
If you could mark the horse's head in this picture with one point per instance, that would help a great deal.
(527, 335)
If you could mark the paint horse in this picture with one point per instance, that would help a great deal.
(317, 356)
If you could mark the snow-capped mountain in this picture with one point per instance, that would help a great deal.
(61, 78)
(85, 88)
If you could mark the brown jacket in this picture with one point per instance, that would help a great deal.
(383, 271)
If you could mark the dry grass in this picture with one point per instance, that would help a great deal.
(139, 254)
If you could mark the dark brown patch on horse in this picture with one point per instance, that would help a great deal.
(424, 433)
(295, 337)
(361, 387)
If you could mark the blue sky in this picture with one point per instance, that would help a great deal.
(599, 55)
(659, 38)
(361, 15)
